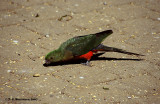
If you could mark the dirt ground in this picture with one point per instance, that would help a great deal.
(29, 29)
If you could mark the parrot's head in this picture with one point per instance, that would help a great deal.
(53, 56)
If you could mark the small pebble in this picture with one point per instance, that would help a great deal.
(15, 41)
(104, 3)
(47, 36)
(129, 97)
(90, 21)
(94, 96)
(105, 88)
(8, 71)
(41, 57)
(158, 19)
(37, 15)
(76, 5)
(36, 75)
(81, 77)
(100, 28)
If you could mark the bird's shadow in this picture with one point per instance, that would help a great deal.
(95, 57)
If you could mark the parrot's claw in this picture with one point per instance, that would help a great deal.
(87, 64)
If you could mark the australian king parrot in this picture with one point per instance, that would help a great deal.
(82, 47)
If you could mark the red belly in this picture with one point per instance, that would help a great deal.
(86, 56)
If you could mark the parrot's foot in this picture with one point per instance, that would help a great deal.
(87, 64)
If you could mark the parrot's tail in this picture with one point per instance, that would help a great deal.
(112, 49)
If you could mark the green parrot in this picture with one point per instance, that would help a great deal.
(82, 47)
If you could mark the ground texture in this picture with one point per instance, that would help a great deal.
(29, 29)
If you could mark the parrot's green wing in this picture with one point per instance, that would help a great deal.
(82, 44)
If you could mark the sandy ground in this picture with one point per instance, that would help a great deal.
(29, 29)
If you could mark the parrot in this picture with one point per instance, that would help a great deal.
(82, 47)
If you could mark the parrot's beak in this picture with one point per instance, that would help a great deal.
(47, 62)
